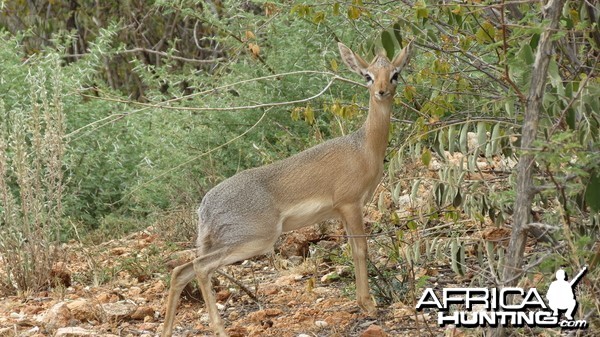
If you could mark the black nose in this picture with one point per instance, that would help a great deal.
(381, 92)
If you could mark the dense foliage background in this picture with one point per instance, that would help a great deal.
(113, 114)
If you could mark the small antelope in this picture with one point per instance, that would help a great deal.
(244, 215)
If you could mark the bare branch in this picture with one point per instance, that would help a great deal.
(166, 104)
(160, 53)
(524, 186)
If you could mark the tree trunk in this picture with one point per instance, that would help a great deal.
(524, 187)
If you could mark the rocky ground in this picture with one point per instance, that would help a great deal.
(119, 288)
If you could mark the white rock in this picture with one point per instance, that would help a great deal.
(85, 310)
(321, 324)
(296, 260)
(403, 200)
(57, 316)
(134, 291)
(330, 277)
(118, 311)
(32, 331)
(74, 331)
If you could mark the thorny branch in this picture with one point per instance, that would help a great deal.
(166, 104)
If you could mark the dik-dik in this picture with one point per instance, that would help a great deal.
(244, 215)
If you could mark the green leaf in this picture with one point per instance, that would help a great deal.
(451, 135)
(457, 10)
(414, 190)
(388, 44)
(442, 140)
(457, 199)
(381, 203)
(412, 225)
(571, 118)
(592, 192)
(301, 10)
(421, 10)
(309, 115)
(555, 78)
(455, 256)
(509, 107)
(481, 135)
(495, 140)
(409, 92)
(440, 194)
(463, 138)
(334, 65)
(397, 30)
(417, 251)
(433, 35)
(426, 157)
(520, 66)
(353, 13)
(486, 33)
(535, 38)
(396, 192)
(526, 54)
(400, 234)
(336, 9)
(464, 42)
(295, 114)
(319, 17)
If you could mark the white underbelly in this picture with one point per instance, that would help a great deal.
(307, 213)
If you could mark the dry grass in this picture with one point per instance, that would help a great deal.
(31, 184)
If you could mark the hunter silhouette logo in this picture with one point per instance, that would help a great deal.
(560, 294)
(479, 307)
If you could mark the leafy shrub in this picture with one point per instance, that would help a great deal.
(32, 151)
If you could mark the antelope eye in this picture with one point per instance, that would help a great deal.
(394, 78)
(368, 78)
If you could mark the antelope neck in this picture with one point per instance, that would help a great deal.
(377, 125)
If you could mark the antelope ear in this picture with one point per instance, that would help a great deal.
(353, 61)
(401, 60)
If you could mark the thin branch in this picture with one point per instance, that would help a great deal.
(164, 104)
(194, 158)
(233, 108)
(108, 120)
(582, 86)
(471, 60)
(240, 285)
(507, 78)
(160, 53)
(561, 189)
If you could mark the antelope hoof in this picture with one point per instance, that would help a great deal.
(368, 306)
(220, 332)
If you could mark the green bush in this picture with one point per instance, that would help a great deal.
(32, 185)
